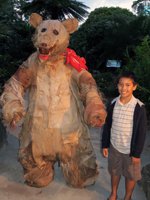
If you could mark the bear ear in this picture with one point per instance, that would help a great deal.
(35, 19)
(71, 24)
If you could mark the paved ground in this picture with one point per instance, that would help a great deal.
(12, 185)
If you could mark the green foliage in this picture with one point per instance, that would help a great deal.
(103, 36)
(106, 83)
(15, 39)
(109, 33)
(15, 46)
(140, 65)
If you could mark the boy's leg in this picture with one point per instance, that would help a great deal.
(114, 186)
(115, 170)
(132, 173)
(129, 184)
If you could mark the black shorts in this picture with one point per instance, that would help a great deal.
(121, 164)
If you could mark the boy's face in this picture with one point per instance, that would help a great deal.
(126, 86)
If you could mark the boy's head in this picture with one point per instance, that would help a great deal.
(128, 74)
(127, 83)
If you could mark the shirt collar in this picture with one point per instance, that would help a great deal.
(132, 101)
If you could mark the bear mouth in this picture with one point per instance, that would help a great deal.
(46, 51)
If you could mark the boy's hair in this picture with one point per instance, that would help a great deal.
(128, 74)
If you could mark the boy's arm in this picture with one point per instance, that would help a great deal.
(135, 160)
(105, 152)
(141, 134)
(105, 142)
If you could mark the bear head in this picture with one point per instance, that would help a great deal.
(51, 37)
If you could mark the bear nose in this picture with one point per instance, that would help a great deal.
(44, 45)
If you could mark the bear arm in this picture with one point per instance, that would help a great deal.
(11, 100)
(24, 76)
(88, 88)
(95, 112)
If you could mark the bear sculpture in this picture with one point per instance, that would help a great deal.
(63, 101)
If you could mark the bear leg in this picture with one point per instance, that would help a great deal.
(79, 167)
(33, 175)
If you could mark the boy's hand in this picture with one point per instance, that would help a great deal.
(105, 152)
(135, 160)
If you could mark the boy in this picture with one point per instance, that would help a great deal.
(124, 134)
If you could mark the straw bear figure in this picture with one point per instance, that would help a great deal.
(63, 101)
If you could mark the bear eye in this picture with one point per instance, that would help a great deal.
(55, 32)
(43, 30)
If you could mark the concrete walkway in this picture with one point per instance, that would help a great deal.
(12, 185)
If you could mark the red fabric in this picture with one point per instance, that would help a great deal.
(77, 62)
(72, 58)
